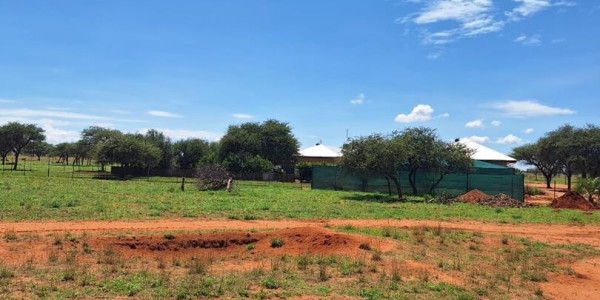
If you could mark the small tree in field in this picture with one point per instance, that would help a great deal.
(589, 187)
(542, 156)
(375, 155)
(213, 177)
(19, 135)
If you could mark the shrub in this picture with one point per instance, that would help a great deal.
(589, 187)
(532, 191)
(276, 243)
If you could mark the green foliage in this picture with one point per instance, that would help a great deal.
(189, 152)
(247, 147)
(277, 243)
(589, 187)
(164, 144)
(16, 136)
(532, 190)
(129, 151)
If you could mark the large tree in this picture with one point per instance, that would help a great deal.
(165, 145)
(189, 152)
(426, 152)
(248, 143)
(129, 151)
(93, 136)
(5, 146)
(541, 155)
(375, 155)
(20, 135)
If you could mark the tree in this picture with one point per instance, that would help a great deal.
(129, 151)
(542, 156)
(93, 136)
(272, 140)
(63, 151)
(38, 149)
(426, 152)
(591, 151)
(5, 146)
(20, 135)
(165, 145)
(375, 155)
(589, 187)
(189, 152)
(567, 145)
(246, 163)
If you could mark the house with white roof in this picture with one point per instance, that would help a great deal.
(320, 153)
(485, 154)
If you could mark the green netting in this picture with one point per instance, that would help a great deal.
(491, 180)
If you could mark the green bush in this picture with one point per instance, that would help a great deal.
(532, 191)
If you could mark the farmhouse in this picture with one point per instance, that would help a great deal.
(320, 154)
(485, 154)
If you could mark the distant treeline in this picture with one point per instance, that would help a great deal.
(269, 146)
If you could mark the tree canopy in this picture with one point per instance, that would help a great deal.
(18, 136)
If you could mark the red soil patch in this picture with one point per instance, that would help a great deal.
(572, 200)
(472, 196)
(297, 241)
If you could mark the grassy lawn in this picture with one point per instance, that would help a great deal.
(62, 198)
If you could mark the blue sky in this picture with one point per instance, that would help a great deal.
(499, 72)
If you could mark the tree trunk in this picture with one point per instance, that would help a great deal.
(412, 175)
(548, 181)
(389, 186)
(3, 160)
(16, 160)
(398, 188)
(569, 175)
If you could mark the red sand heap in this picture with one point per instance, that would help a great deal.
(472, 196)
(572, 200)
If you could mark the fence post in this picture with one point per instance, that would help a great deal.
(183, 184)
(48, 166)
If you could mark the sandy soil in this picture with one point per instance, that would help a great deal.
(312, 234)
(546, 199)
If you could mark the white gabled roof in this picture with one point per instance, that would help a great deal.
(482, 152)
(321, 150)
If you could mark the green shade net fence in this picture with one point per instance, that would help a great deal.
(488, 178)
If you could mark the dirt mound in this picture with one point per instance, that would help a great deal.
(472, 196)
(297, 241)
(572, 200)
(501, 200)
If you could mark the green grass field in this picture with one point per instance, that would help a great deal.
(34, 196)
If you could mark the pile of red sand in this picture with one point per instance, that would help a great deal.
(472, 196)
(572, 200)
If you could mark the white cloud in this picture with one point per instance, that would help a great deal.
(56, 135)
(162, 114)
(509, 139)
(360, 99)
(528, 130)
(477, 139)
(453, 20)
(444, 115)
(475, 124)
(533, 40)
(180, 134)
(529, 108)
(527, 8)
(434, 56)
(496, 123)
(419, 113)
(242, 116)
(7, 101)
(24, 113)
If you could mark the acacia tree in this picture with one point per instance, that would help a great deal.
(129, 151)
(375, 155)
(93, 136)
(5, 147)
(20, 135)
(38, 149)
(63, 151)
(542, 155)
(426, 152)
(165, 145)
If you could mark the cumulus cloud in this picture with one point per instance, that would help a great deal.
(529, 108)
(509, 139)
(360, 99)
(475, 124)
(529, 40)
(180, 134)
(528, 130)
(496, 123)
(242, 116)
(477, 139)
(56, 135)
(163, 114)
(419, 113)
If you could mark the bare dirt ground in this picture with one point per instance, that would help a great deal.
(306, 236)
(551, 193)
